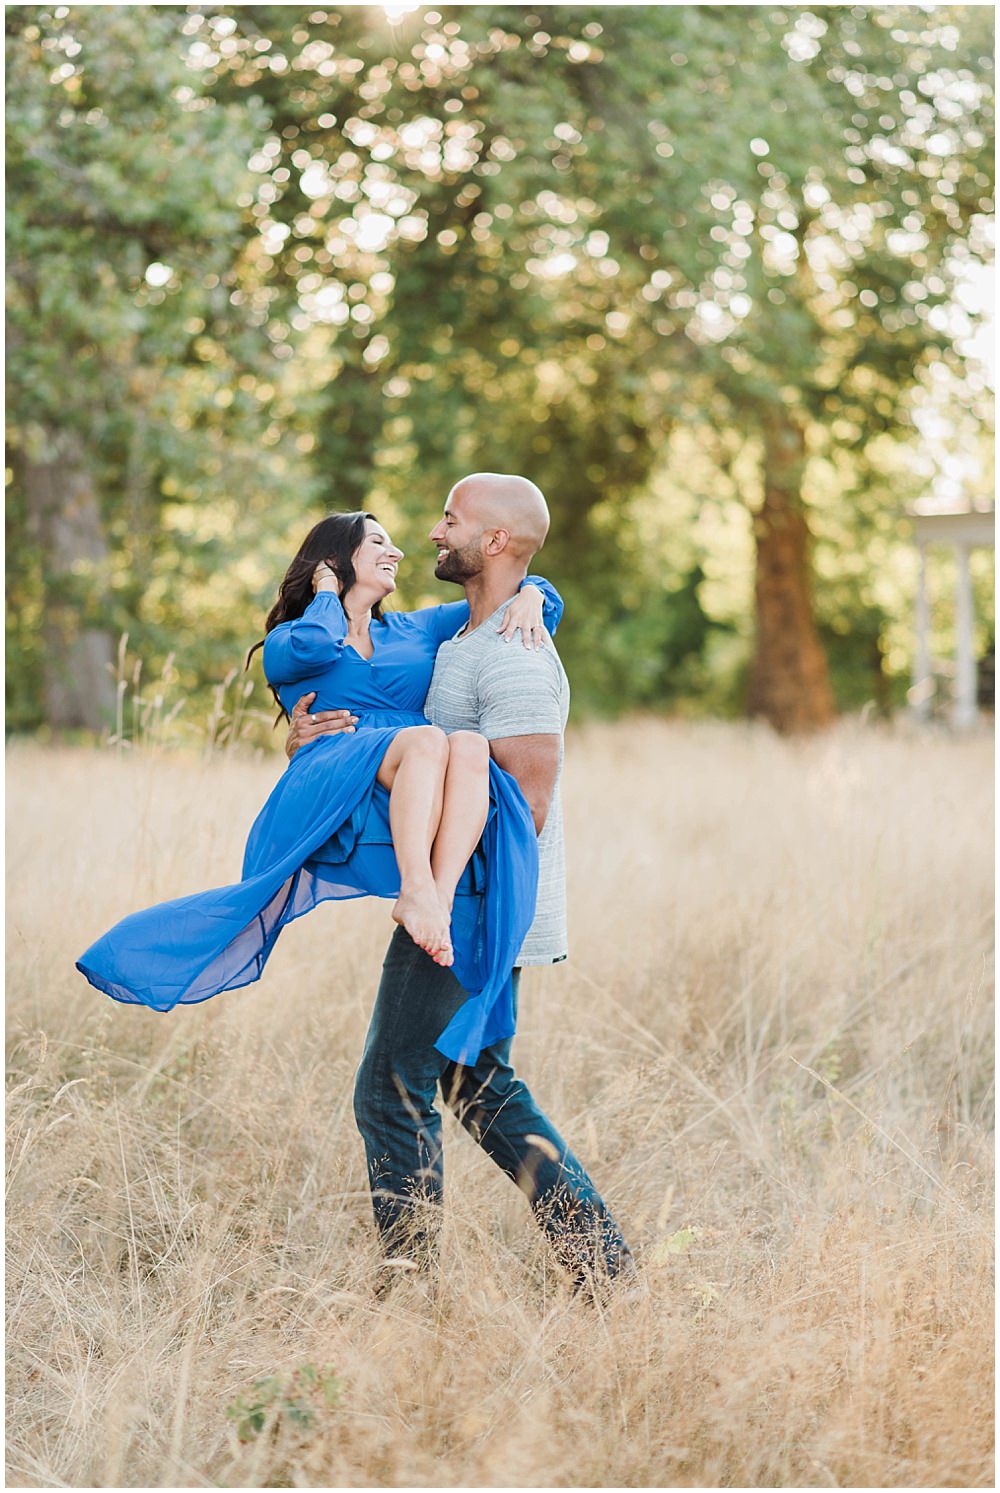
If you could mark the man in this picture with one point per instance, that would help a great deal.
(519, 700)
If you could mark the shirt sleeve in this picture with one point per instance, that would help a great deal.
(309, 644)
(521, 694)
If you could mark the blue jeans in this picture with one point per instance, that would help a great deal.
(394, 1106)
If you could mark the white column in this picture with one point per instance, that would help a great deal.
(922, 692)
(965, 650)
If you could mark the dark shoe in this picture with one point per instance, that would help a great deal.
(618, 1284)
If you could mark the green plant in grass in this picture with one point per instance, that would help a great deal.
(296, 1399)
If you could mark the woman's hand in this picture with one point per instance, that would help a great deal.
(324, 579)
(525, 612)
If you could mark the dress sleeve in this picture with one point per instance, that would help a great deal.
(309, 644)
(552, 603)
(443, 622)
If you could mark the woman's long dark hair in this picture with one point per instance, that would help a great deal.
(334, 539)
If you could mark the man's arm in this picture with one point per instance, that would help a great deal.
(520, 711)
(533, 761)
(305, 727)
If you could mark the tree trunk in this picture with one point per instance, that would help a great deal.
(789, 684)
(78, 652)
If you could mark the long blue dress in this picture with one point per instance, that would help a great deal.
(324, 833)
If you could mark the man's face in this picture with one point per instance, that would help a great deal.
(458, 535)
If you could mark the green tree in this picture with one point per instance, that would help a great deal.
(555, 240)
(539, 238)
(848, 214)
(122, 230)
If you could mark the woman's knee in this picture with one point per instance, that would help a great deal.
(429, 741)
(469, 748)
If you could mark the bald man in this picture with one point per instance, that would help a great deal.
(519, 700)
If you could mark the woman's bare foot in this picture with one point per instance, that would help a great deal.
(446, 904)
(427, 923)
(446, 900)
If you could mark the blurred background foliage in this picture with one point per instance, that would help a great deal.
(708, 274)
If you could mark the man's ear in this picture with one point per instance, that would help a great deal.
(498, 542)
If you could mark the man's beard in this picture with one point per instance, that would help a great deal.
(460, 565)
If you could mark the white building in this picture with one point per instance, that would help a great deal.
(961, 529)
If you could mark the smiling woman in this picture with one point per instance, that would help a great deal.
(375, 562)
(338, 543)
(389, 807)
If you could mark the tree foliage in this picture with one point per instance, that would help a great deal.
(568, 240)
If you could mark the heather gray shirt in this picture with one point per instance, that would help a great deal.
(499, 689)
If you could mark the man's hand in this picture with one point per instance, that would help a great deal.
(306, 727)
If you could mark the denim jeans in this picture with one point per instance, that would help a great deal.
(400, 1072)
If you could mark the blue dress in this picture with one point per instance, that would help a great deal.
(324, 833)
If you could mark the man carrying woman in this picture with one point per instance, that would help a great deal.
(518, 700)
(442, 792)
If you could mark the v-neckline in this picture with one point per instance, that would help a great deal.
(357, 651)
(465, 631)
(361, 655)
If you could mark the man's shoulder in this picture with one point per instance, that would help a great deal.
(521, 691)
(496, 652)
(512, 666)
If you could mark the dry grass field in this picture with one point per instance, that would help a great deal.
(772, 1045)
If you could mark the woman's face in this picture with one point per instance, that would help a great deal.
(376, 560)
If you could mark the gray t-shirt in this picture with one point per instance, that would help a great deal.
(481, 683)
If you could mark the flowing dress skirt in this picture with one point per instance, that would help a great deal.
(323, 833)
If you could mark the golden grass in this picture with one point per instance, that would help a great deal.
(772, 1046)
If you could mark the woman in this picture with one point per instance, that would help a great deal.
(395, 808)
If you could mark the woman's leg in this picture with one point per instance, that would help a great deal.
(463, 814)
(413, 769)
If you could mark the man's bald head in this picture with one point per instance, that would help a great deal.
(507, 502)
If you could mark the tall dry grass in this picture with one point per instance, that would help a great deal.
(772, 1045)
